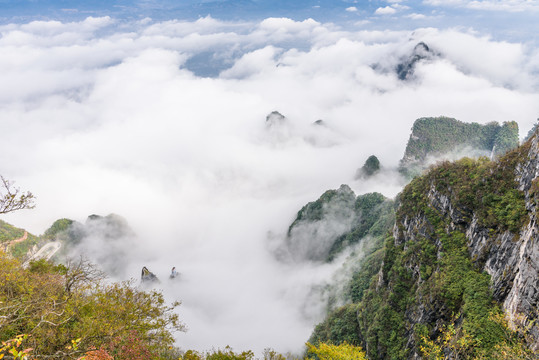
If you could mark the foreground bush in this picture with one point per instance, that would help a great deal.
(66, 312)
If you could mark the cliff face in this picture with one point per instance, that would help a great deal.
(520, 259)
(511, 258)
(464, 248)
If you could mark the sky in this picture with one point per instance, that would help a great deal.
(157, 112)
(507, 19)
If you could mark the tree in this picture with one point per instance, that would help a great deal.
(343, 351)
(69, 311)
(456, 343)
(12, 199)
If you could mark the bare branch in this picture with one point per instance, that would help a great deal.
(11, 198)
(81, 273)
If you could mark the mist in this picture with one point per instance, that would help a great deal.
(106, 116)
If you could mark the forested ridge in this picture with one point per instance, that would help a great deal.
(444, 282)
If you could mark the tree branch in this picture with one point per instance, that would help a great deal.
(11, 199)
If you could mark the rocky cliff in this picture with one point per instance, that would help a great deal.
(464, 249)
(460, 266)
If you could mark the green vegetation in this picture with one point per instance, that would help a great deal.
(9, 235)
(507, 138)
(488, 188)
(434, 269)
(68, 311)
(371, 167)
(340, 326)
(369, 266)
(441, 135)
(58, 228)
(340, 200)
(419, 292)
(532, 131)
(431, 272)
(342, 351)
(461, 345)
(19, 250)
(9, 232)
(375, 216)
(224, 354)
(322, 351)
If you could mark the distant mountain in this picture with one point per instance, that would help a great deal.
(338, 219)
(421, 52)
(275, 118)
(72, 232)
(16, 241)
(438, 138)
(104, 239)
(112, 226)
(371, 167)
(280, 130)
(9, 232)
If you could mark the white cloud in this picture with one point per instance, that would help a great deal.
(491, 5)
(400, 7)
(351, 9)
(107, 117)
(416, 16)
(288, 25)
(253, 64)
(388, 10)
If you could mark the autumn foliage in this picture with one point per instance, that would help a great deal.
(70, 312)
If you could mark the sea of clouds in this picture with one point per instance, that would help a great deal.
(164, 123)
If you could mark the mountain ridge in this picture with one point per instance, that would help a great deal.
(462, 255)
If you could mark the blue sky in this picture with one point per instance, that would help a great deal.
(505, 19)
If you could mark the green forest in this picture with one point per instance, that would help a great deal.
(433, 273)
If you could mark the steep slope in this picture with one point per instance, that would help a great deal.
(463, 255)
(464, 248)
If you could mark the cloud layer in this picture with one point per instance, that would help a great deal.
(104, 116)
(489, 5)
